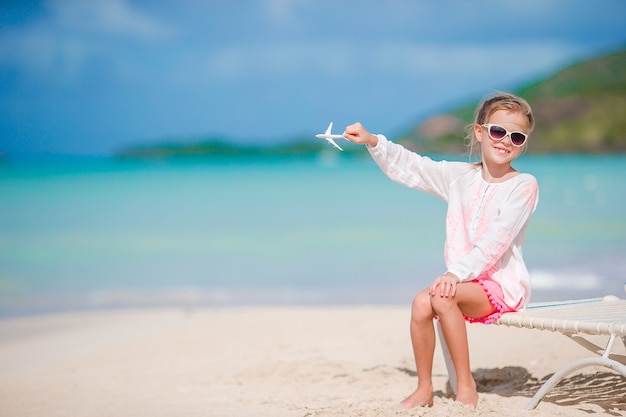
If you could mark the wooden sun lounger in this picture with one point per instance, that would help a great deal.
(576, 318)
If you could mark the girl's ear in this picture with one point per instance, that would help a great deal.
(478, 132)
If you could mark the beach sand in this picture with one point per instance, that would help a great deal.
(278, 361)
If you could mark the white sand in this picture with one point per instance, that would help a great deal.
(352, 361)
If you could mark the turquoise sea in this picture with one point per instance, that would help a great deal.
(86, 233)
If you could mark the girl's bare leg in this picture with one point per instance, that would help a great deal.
(423, 341)
(470, 299)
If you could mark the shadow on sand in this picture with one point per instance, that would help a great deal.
(603, 389)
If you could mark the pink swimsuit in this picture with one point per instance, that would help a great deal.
(485, 222)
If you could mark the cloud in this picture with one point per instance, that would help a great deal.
(278, 60)
(283, 12)
(121, 40)
(386, 59)
(59, 45)
(511, 59)
(107, 17)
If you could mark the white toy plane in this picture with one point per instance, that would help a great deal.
(330, 137)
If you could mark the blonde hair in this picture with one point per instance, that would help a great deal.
(495, 102)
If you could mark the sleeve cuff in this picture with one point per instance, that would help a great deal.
(379, 146)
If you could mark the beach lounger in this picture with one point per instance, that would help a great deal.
(576, 318)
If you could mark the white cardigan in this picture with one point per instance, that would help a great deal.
(485, 223)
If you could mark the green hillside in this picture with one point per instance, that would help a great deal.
(579, 109)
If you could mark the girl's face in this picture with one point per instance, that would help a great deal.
(501, 152)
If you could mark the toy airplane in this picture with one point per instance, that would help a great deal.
(330, 137)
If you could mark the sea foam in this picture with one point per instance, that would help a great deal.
(549, 280)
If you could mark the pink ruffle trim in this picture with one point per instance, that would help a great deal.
(496, 298)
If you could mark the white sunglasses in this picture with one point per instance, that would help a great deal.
(497, 133)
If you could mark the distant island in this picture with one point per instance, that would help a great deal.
(221, 147)
(580, 109)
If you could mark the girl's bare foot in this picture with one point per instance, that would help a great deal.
(419, 398)
(468, 397)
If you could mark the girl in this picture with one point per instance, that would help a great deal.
(489, 207)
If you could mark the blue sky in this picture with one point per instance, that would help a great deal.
(94, 76)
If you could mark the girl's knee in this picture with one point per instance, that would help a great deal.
(441, 304)
(422, 308)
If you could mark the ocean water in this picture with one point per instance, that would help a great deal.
(87, 233)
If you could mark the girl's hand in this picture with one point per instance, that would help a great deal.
(358, 134)
(445, 285)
